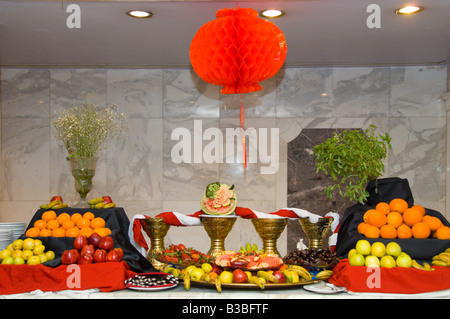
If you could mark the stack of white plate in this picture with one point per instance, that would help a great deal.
(6, 236)
(17, 229)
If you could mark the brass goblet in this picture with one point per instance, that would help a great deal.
(270, 229)
(217, 228)
(316, 231)
(156, 230)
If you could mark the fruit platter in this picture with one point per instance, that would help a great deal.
(180, 256)
(249, 268)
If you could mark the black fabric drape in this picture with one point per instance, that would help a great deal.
(384, 190)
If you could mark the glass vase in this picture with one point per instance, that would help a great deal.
(83, 170)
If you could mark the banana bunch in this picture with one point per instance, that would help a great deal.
(324, 274)
(55, 204)
(302, 272)
(425, 266)
(251, 248)
(172, 270)
(101, 202)
(443, 259)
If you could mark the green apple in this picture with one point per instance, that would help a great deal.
(378, 249)
(372, 261)
(27, 254)
(51, 255)
(34, 260)
(17, 253)
(404, 260)
(393, 249)
(197, 274)
(8, 261)
(387, 261)
(356, 260)
(189, 269)
(5, 253)
(207, 268)
(28, 244)
(38, 249)
(17, 244)
(226, 276)
(43, 258)
(352, 251)
(18, 261)
(363, 247)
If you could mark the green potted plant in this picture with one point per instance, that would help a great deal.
(352, 158)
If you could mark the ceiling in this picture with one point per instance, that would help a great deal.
(318, 32)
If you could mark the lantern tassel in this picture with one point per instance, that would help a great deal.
(241, 118)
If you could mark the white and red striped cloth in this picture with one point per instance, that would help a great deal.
(182, 220)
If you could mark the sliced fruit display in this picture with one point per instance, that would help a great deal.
(219, 199)
(248, 260)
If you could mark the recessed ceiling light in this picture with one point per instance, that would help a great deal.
(139, 14)
(272, 13)
(409, 10)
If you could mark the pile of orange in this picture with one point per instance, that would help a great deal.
(65, 225)
(397, 220)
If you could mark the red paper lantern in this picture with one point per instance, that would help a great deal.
(237, 50)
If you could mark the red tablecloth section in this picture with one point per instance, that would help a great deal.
(25, 278)
(390, 280)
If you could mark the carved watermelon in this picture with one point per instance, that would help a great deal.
(219, 199)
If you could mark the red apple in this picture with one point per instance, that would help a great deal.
(217, 269)
(56, 198)
(107, 199)
(106, 243)
(70, 257)
(85, 259)
(239, 276)
(94, 239)
(120, 252)
(80, 242)
(113, 256)
(88, 250)
(281, 277)
(100, 256)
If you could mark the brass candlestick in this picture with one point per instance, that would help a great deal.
(156, 229)
(316, 231)
(270, 229)
(217, 228)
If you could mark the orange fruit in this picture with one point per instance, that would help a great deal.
(52, 224)
(377, 218)
(443, 232)
(89, 216)
(75, 217)
(72, 232)
(45, 232)
(404, 231)
(420, 208)
(58, 232)
(398, 205)
(33, 232)
(98, 222)
(62, 218)
(40, 223)
(48, 215)
(394, 219)
(68, 224)
(86, 231)
(361, 227)
(82, 222)
(102, 231)
(421, 230)
(433, 222)
(388, 231)
(383, 207)
(367, 214)
(412, 216)
(372, 231)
